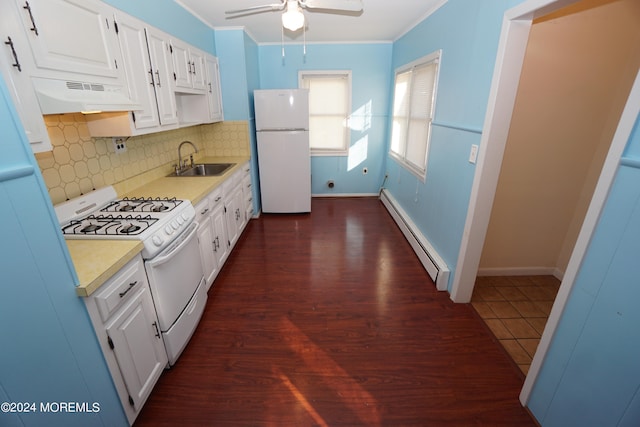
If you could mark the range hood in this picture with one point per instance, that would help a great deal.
(64, 96)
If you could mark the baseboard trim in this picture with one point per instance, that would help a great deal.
(522, 271)
(431, 261)
(327, 195)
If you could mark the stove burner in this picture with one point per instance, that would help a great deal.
(141, 204)
(128, 229)
(91, 228)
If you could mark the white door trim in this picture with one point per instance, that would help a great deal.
(511, 50)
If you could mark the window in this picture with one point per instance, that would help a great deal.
(329, 110)
(413, 100)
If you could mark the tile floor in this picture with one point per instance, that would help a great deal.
(516, 309)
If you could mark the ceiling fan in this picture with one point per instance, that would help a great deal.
(292, 18)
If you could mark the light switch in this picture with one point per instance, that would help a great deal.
(473, 156)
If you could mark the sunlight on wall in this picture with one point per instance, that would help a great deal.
(361, 118)
(358, 152)
(359, 121)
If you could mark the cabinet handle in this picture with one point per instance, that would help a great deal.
(155, 324)
(194, 67)
(158, 78)
(131, 285)
(218, 198)
(204, 211)
(15, 56)
(151, 75)
(27, 7)
(210, 88)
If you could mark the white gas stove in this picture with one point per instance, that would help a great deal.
(101, 215)
(171, 253)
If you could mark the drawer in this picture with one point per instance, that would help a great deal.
(120, 288)
(215, 198)
(246, 185)
(203, 210)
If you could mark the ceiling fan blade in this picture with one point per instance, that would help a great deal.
(263, 8)
(346, 5)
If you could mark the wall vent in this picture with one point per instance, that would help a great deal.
(431, 261)
(96, 87)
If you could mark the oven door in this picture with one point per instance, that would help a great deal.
(174, 275)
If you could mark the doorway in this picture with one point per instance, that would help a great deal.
(511, 51)
(573, 87)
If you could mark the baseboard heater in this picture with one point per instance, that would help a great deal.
(435, 266)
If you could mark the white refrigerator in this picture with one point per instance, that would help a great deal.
(284, 162)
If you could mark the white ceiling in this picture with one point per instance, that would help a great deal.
(381, 20)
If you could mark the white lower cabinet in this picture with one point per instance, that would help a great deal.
(206, 241)
(222, 216)
(125, 321)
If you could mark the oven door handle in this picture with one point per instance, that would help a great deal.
(182, 242)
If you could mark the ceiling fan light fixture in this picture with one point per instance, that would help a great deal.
(292, 18)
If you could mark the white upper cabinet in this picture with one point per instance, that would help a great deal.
(72, 36)
(137, 65)
(214, 94)
(15, 62)
(188, 67)
(160, 53)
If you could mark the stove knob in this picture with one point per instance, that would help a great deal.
(174, 225)
(157, 240)
(168, 230)
(185, 217)
(180, 220)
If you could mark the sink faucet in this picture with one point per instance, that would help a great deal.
(180, 165)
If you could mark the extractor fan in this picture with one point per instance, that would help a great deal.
(292, 18)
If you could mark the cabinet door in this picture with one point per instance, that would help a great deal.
(233, 211)
(137, 65)
(206, 241)
(15, 60)
(181, 64)
(75, 36)
(138, 346)
(214, 95)
(198, 73)
(160, 53)
(220, 238)
(239, 212)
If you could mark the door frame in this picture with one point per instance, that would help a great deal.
(504, 87)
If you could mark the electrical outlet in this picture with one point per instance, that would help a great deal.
(119, 145)
(365, 171)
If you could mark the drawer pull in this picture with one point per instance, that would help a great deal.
(218, 199)
(131, 285)
(204, 211)
(33, 28)
(16, 64)
(155, 324)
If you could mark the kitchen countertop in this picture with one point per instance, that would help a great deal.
(96, 261)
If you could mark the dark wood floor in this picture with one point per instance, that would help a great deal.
(328, 319)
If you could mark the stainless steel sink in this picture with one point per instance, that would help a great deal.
(204, 169)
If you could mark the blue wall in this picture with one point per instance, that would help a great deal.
(239, 77)
(468, 34)
(49, 351)
(591, 374)
(370, 65)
